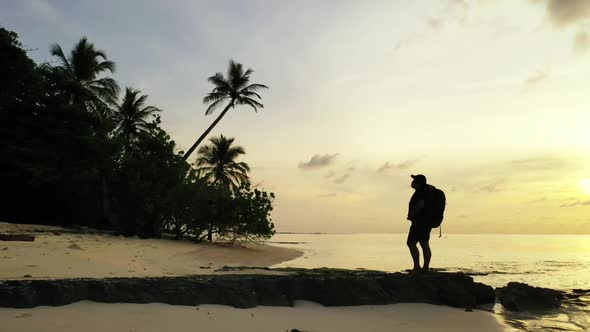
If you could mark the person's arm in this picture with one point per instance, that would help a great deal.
(416, 210)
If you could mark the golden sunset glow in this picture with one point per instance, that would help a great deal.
(492, 105)
(585, 184)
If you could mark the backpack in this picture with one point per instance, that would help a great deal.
(437, 202)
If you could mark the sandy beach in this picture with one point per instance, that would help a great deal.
(56, 254)
(305, 316)
(69, 255)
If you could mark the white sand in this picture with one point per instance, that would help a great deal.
(306, 316)
(95, 256)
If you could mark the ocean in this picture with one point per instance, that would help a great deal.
(553, 261)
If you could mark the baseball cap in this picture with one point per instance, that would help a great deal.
(419, 177)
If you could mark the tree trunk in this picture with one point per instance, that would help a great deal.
(210, 232)
(188, 153)
(105, 220)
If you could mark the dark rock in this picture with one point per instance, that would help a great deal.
(329, 287)
(517, 296)
(17, 237)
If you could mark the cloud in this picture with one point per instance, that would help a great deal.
(565, 12)
(491, 187)
(538, 163)
(576, 203)
(538, 200)
(462, 4)
(318, 161)
(568, 199)
(582, 41)
(330, 174)
(341, 179)
(328, 195)
(434, 23)
(536, 78)
(399, 166)
(454, 11)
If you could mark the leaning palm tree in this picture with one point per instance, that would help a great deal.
(233, 89)
(131, 115)
(81, 69)
(217, 163)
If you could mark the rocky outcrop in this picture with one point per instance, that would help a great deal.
(17, 237)
(324, 286)
(517, 296)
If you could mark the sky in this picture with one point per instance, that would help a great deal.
(487, 98)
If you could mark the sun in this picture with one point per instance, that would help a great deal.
(585, 184)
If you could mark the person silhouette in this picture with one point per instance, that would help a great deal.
(420, 228)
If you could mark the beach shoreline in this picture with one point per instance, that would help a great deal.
(59, 253)
(304, 316)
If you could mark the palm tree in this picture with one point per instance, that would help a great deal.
(233, 89)
(131, 115)
(217, 163)
(81, 70)
(80, 73)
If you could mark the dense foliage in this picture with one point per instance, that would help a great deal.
(73, 154)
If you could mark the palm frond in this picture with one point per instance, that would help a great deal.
(219, 81)
(100, 54)
(56, 50)
(107, 83)
(254, 87)
(138, 103)
(104, 66)
(214, 96)
(214, 106)
(250, 102)
(250, 94)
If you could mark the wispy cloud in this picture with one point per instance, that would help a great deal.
(536, 78)
(398, 166)
(565, 12)
(454, 11)
(576, 203)
(582, 41)
(318, 161)
(538, 163)
(493, 186)
(342, 178)
(538, 200)
(330, 174)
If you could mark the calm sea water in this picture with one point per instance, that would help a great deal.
(553, 261)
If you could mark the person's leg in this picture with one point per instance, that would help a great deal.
(427, 254)
(415, 254)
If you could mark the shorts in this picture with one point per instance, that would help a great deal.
(419, 233)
